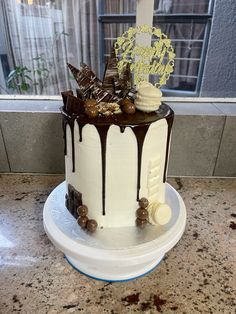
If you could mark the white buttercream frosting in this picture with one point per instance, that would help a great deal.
(121, 170)
(148, 97)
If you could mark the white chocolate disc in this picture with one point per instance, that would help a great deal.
(159, 213)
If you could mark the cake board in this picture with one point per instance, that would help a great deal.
(112, 254)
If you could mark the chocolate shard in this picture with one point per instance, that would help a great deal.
(116, 99)
(74, 105)
(64, 97)
(100, 94)
(127, 77)
(89, 94)
(73, 70)
(126, 81)
(82, 80)
(80, 94)
(131, 93)
(117, 86)
(90, 85)
(85, 69)
(111, 73)
(84, 95)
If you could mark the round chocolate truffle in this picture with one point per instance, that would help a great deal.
(91, 225)
(129, 108)
(142, 213)
(82, 221)
(125, 101)
(141, 223)
(91, 112)
(143, 202)
(90, 103)
(82, 210)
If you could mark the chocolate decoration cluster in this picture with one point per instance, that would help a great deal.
(142, 213)
(83, 221)
(93, 92)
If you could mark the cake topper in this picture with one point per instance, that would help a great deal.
(156, 59)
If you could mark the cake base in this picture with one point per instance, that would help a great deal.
(112, 254)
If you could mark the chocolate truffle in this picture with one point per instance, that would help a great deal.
(91, 112)
(90, 103)
(82, 221)
(82, 210)
(141, 223)
(129, 108)
(142, 213)
(125, 101)
(91, 225)
(143, 202)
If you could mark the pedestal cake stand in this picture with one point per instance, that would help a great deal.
(112, 254)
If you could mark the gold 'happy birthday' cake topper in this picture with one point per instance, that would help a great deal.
(156, 59)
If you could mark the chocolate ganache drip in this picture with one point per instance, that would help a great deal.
(84, 110)
(139, 123)
(102, 131)
(140, 133)
(169, 123)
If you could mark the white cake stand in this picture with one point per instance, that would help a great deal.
(112, 254)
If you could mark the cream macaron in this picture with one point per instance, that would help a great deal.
(148, 97)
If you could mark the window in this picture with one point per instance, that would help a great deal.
(40, 36)
(187, 24)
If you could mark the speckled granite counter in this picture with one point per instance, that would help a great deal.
(197, 276)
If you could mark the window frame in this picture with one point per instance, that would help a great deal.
(203, 18)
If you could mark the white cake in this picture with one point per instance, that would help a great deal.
(117, 137)
(115, 159)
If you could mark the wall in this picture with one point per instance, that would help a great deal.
(219, 75)
(203, 139)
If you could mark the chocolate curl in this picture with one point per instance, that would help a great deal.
(74, 105)
(111, 73)
(64, 97)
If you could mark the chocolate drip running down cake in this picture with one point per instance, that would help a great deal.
(116, 150)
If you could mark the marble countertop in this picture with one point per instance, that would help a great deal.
(196, 276)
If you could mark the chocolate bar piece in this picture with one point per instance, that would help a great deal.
(64, 97)
(74, 105)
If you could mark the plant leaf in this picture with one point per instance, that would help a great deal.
(24, 86)
(11, 73)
